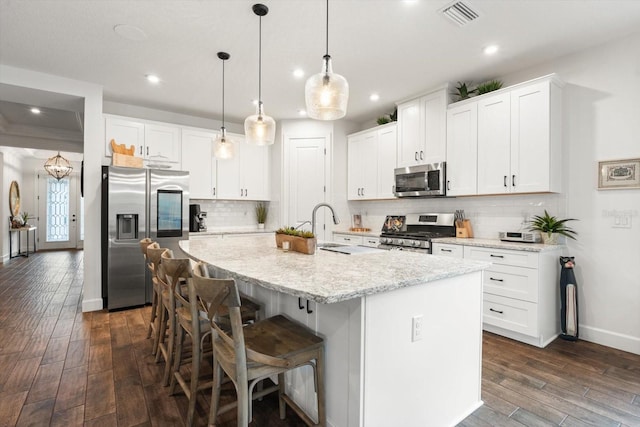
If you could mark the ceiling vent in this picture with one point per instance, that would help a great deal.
(459, 13)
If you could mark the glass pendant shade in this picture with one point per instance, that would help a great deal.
(260, 129)
(224, 147)
(326, 93)
(58, 167)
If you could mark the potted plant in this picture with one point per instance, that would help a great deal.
(550, 227)
(299, 241)
(489, 86)
(463, 92)
(25, 217)
(261, 214)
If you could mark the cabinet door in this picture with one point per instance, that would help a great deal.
(349, 239)
(228, 175)
(387, 145)
(354, 166)
(434, 110)
(122, 131)
(198, 160)
(494, 144)
(530, 133)
(410, 134)
(462, 150)
(369, 156)
(254, 171)
(162, 141)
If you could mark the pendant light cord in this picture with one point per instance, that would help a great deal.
(260, 64)
(223, 61)
(327, 46)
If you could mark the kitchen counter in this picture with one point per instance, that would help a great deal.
(227, 231)
(325, 277)
(402, 330)
(497, 244)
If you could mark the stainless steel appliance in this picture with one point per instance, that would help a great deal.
(519, 236)
(197, 219)
(421, 181)
(138, 203)
(414, 232)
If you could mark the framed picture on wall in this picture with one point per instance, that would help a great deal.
(617, 174)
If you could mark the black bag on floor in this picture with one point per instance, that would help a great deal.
(569, 299)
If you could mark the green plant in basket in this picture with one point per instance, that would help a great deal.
(290, 231)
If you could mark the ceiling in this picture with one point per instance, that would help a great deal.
(393, 48)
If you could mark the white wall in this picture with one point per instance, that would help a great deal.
(10, 170)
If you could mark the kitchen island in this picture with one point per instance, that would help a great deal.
(402, 330)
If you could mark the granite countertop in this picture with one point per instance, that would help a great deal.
(223, 231)
(498, 244)
(325, 277)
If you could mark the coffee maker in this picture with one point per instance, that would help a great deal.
(197, 219)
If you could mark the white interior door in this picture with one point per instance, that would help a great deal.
(305, 182)
(60, 221)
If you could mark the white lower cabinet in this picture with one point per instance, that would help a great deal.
(443, 249)
(521, 293)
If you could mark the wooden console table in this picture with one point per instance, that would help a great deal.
(26, 229)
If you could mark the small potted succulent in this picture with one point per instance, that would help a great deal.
(551, 227)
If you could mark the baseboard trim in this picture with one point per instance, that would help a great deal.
(610, 339)
(91, 305)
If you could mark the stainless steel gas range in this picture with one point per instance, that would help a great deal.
(414, 232)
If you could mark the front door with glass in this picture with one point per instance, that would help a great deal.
(59, 212)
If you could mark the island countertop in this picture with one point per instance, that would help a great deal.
(325, 277)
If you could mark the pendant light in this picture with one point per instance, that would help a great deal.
(223, 147)
(58, 167)
(260, 129)
(326, 93)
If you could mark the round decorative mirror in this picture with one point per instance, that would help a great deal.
(14, 198)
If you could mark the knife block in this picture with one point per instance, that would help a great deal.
(463, 229)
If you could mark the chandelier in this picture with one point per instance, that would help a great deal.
(58, 167)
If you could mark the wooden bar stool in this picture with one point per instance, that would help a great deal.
(154, 253)
(259, 350)
(144, 245)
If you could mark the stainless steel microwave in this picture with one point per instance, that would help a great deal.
(421, 180)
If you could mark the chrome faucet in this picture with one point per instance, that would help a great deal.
(313, 216)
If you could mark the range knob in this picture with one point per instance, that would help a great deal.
(398, 242)
(417, 243)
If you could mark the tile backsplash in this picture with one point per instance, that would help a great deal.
(488, 214)
(233, 214)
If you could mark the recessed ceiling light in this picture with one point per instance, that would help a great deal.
(302, 112)
(152, 78)
(298, 73)
(374, 97)
(490, 50)
(410, 2)
(35, 110)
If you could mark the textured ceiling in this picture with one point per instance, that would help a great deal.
(391, 47)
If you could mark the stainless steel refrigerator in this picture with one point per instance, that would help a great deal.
(138, 203)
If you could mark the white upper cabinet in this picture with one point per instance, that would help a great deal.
(422, 130)
(462, 150)
(494, 141)
(371, 163)
(156, 143)
(246, 175)
(518, 135)
(197, 158)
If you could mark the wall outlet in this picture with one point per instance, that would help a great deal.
(622, 221)
(416, 328)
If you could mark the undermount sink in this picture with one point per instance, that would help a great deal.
(330, 245)
(350, 249)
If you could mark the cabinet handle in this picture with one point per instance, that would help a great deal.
(308, 310)
(496, 311)
(448, 185)
(347, 239)
(416, 156)
(241, 192)
(446, 250)
(504, 181)
(496, 256)
(362, 191)
(300, 306)
(496, 280)
(513, 180)
(245, 192)
(214, 191)
(421, 155)
(147, 151)
(359, 192)
(141, 150)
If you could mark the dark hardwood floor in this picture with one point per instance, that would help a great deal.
(62, 367)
